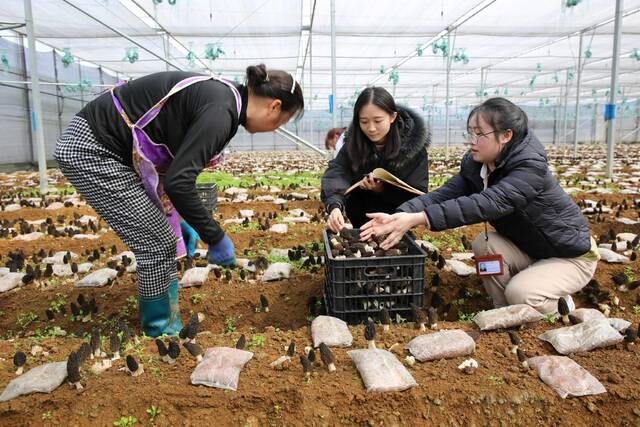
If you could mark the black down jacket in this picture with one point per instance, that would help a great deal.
(411, 165)
(523, 202)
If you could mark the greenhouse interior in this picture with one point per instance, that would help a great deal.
(319, 212)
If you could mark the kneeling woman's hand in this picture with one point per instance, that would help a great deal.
(393, 226)
(222, 253)
(335, 222)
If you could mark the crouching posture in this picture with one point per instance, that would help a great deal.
(541, 238)
(134, 154)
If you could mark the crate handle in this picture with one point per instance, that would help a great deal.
(379, 271)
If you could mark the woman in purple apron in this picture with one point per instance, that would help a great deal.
(134, 154)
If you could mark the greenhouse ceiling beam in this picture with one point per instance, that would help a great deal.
(511, 82)
(151, 22)
(454, 25)
(558, 40)
(177, 67)
(295, 33)
(93, 63)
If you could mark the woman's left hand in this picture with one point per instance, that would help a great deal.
(393, 226)
(371, 184)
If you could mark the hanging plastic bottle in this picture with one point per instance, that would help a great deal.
(587, 53)
(67, 58)
(212, 51)
(131, 55)
(4, 59)
(191, 56)
(394, 77)
(460, 55)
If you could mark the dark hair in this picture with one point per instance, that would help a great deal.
(276, 84)
(360, 148)
(333, 133)
(503, 114)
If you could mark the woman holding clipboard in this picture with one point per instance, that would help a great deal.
(381, 136)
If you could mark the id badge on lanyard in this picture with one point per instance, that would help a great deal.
(488, 265)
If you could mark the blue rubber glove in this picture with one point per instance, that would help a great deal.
(190, 237)
(222, 253)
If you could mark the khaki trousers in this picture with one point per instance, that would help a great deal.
(538, 283)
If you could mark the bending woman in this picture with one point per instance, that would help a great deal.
(381, 135)
(134, 154)
(504, 179)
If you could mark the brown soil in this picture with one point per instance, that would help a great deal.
(498, 393)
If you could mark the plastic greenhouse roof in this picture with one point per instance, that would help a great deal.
(508, 43)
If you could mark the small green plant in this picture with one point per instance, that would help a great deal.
(495, 380)
(466, 317)
(550, 318)
(59, 301)
(25, 319)
(1, 313)
(628, 271)
(229, 326)
(197, 298)
(132, 300)
(153, 412)
(636, 310)
(49, 332)
(127, 421)
(256, 341)
(277, 409)
(46, 415)
(451, 239)
(237, 228)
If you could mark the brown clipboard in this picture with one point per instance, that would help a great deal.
(389, 178)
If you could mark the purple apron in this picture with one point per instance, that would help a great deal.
(151, 160)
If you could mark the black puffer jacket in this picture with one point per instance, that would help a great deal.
(411, 165)
(523, 202)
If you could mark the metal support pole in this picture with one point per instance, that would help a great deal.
(577, 110)
(334, 115)
(311, 135)
(564, 113)
(637, 120)
(58, 91)
(555, 125)
(483, 81)
(36, 111)
(165, 45)
(594, 123)
(610, 109)
(446, 100)
(27, 101)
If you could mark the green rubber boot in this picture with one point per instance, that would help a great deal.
(161, 315)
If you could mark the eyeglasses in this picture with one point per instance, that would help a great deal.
(473, 138)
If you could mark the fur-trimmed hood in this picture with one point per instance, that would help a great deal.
(415, 137)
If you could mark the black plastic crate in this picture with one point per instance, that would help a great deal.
(209, 195)
(358, 288)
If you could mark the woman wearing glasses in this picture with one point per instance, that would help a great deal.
(541, 237)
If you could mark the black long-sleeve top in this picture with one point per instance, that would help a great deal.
(195, 124)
